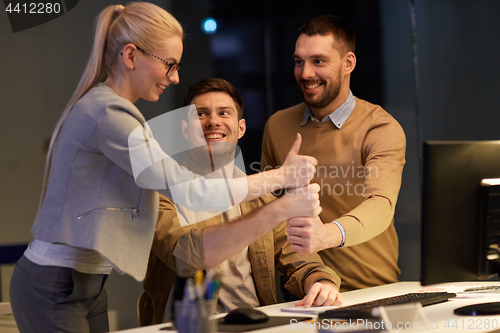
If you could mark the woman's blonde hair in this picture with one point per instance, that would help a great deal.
(141, 23)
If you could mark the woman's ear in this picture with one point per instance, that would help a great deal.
(128, 55)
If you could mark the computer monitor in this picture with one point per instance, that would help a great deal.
(459, 217)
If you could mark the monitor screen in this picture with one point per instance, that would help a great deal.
(452, 211)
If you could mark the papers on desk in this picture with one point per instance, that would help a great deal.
(313, 310)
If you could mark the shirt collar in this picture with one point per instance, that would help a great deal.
(337, 117)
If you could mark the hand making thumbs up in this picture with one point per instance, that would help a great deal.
(298, 170)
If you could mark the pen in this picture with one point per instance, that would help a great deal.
(209, 277)
(200, 302)
(208, 283)
(198, 279)
(189, 292)
(211, 289)
(182, 313)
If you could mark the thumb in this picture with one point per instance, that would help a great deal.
(296, 145)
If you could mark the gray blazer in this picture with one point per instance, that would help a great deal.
(92, 200)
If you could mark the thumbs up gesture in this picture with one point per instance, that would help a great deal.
(298, 170)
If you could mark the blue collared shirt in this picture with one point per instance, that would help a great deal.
(338, 118)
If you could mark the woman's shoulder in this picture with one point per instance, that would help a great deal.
(103, 95)
(103, 100)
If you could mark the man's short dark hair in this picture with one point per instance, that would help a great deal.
(211, 84)
(331, 25)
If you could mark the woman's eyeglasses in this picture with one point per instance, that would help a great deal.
(172, 66)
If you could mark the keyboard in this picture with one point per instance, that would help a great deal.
(363, 310)
(482, 288)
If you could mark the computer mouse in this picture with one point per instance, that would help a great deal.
(245, 316)
(482, 309)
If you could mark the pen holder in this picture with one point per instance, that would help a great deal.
(195, 317)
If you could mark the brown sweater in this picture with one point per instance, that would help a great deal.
(359, 171)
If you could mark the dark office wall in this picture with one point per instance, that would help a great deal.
(399, 101)
(459, 51)
(458, 96)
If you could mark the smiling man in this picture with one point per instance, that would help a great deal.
(244, 244)
(360, 150)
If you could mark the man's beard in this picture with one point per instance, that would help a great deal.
(326, 98)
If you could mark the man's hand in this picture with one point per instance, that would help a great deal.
(323, 293)
(303, 201)
(298, 170)
(309, 235)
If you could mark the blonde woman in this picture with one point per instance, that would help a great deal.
(93, 217)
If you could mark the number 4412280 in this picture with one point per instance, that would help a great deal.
(478, 323)
(34, 8)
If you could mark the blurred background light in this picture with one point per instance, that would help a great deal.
(209, 25)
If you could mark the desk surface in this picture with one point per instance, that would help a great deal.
(440, 316)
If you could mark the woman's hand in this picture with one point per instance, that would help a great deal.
(297, 170)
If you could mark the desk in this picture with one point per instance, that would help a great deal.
(440, 316)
